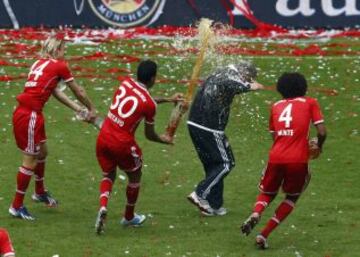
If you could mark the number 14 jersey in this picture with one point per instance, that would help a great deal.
(131, 104)
(43, 78)
(290, 122)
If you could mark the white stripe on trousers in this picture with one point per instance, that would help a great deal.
(226, 169)
(31, 127)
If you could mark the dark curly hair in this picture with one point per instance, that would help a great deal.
(146, 70)
(291, 85)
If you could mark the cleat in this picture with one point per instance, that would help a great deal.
(21, 213)
(250, 223)
(45, 198)
(135, 222)
(202, 204)
(100, 221)
(216, 212)
(261, 242)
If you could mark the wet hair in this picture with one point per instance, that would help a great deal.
(51, 46)
(146, 71)
(291, 85)
(247, 70)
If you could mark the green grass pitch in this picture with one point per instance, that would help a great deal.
(324, 223)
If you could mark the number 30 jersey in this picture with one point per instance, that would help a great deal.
(290, 122)
(43, 78)
(131, 104)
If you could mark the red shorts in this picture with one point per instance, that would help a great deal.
(123, 154)
(6, 247)
(292, 177)
(29, 130)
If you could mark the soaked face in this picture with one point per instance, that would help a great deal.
(249, 79)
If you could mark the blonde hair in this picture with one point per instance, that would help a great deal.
(51, 46)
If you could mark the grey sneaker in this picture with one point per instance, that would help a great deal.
(216, 212)
(201, 203)
(135, 222)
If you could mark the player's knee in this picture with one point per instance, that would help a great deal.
(232, 165)
(229, 165)
(134, 176)
(292, 198)
(42, 154)
(29, 161)
(111, 175)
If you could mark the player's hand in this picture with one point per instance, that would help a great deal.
(167, 139)
(256, 86)
(91, 116)
(86, 115)
(177, 97)
(82, 114)
(314, 149)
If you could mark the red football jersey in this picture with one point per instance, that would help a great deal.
(131, 103)
(6, 247)
(43, 78)
(290, 121)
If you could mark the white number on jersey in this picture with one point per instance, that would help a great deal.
(120, 102)
(286, 116)
(39, 70)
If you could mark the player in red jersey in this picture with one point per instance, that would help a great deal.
(6, 248)
(116, 145)
(28, 120)
(287, 167)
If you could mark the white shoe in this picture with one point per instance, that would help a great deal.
(216, 212)
(261, 242)
(201, 203)
(21, 213)
(136, 221)
(100, 220)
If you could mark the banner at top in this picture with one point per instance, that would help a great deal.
(134, 13)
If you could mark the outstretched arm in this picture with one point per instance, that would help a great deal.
(65, 100)
(256, 86)
(81, 95)
(177, 97)
(151, 135)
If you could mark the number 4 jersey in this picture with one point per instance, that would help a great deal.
(131, 103)
(43, 78)
(290, 122)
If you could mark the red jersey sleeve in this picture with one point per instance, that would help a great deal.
(150, 113)
(64, 72)
(271, 121)
(316, 114)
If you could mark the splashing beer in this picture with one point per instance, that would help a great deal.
(205, 36)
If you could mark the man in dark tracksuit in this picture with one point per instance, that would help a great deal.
(207, 121)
